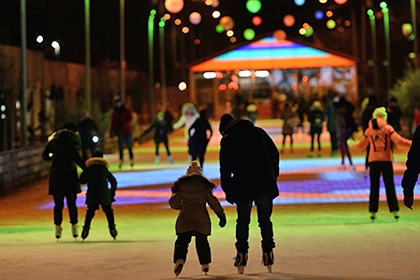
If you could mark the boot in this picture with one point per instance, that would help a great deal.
(396, 215)
(205, 268)
(113, 231)
(58, 231)
(373, 216)
(170, 159)
(85, 232)
(268, 260)
(179, 264)
(74, 230)
(157, 160)
(240, 262)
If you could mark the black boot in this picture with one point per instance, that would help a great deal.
(85, 232)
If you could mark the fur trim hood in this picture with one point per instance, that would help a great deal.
(192, 183)
(97, 161)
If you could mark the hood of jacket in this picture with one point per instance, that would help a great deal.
(192, 184)
(237, 126)
(97, 161)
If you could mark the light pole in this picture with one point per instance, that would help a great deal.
(372, 20)
(88, 70)
(150, 33)
(414, 24)
(24, 73)
(162, 60)
(123, 63)
(387, 62)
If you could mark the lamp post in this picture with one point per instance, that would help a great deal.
(123, 63)
(414, 24)
(162, 60)
(88, 70)
(372, 20)
(150, 33)
(24, 73)
(387, 62)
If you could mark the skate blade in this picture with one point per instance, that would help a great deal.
(241, 269)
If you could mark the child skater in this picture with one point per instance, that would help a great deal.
(379, 136)
(162, 128)
(97, 177)
(190, 193)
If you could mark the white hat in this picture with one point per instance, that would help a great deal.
(194, 168)
(380, 112)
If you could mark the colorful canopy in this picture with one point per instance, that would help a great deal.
(270, 53)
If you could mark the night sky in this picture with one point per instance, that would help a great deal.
(63, 20)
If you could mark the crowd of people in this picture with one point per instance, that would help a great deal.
(249, 168)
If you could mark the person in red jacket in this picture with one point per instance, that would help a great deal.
(379, 136)
(121, 126)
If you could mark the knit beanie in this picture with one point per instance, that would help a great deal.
(97, 153)
(225, 120)
(194, 168)
(380, 112)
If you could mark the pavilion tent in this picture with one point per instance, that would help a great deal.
(272, 54)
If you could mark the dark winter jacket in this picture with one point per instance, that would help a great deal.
(199, 137)
(121, 121)
(97, 176)
(316, 118)
(249, 162)
(413, 165)
(64, 152)
(191, 193)
(162, 128)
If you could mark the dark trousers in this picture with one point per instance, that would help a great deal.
(386, 169)
(59, 206)
(318, 139)
(264, 205)
(344, 149)
(334, 141)
(166, 143)
(90, 213)
(201, 244)
(124, 140)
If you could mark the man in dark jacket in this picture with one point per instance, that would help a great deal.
(249, 167)
(413, 169)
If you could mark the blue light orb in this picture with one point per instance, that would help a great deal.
(319, 15)
(299, 2)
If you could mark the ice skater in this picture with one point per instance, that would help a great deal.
(190, 194)
(380, 136)
(64, 150)
(97, 177)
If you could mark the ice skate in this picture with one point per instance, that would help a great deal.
(396, 215)
(205, 268)
(157, 160)
(132, 163)
(113, 231)
(240, 262)
(179, 264)
(85, 232)
(268, 260)
(74, 230)
(170, 160)
(373, 216)
(58, 231)
(120, 164)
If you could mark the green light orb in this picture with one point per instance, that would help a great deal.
(219, 28)
(253, 6)
(249, 34)
(309, 31)
(331, 24)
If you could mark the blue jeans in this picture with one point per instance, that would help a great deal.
(264, 205)
(125, 140)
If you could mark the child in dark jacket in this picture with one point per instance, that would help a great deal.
(190, 194)
(97, 176)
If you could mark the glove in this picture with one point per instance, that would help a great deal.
(222, 221)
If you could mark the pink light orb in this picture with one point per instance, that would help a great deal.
(280, 35)
(195, 18)
(340, 2)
